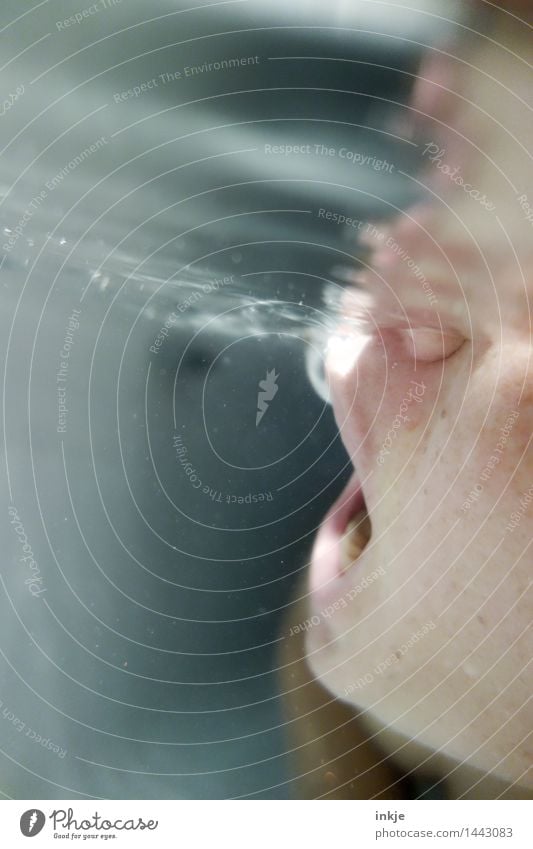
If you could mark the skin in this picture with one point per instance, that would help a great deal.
(457, 700)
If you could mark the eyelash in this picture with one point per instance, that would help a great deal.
(431, 345)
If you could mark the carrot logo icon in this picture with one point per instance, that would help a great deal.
(268, 389)
(32, 822)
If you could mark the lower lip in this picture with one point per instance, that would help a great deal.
(326, 560)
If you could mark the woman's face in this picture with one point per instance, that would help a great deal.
(431, 376)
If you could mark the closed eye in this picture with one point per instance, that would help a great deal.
(430, 344)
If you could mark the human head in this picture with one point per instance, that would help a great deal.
(432, 385)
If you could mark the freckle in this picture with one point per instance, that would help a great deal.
(397, 655)
(481, 619)
(443, 414)
(425, 490)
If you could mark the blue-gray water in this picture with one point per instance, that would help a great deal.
(170, 238)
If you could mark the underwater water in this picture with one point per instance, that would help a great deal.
(182, 199)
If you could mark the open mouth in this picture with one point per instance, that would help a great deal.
(355, 538)
(343, 536)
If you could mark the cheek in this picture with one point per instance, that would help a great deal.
(453, 477)
(504, 443)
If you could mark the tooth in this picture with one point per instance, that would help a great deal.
(356, 537)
